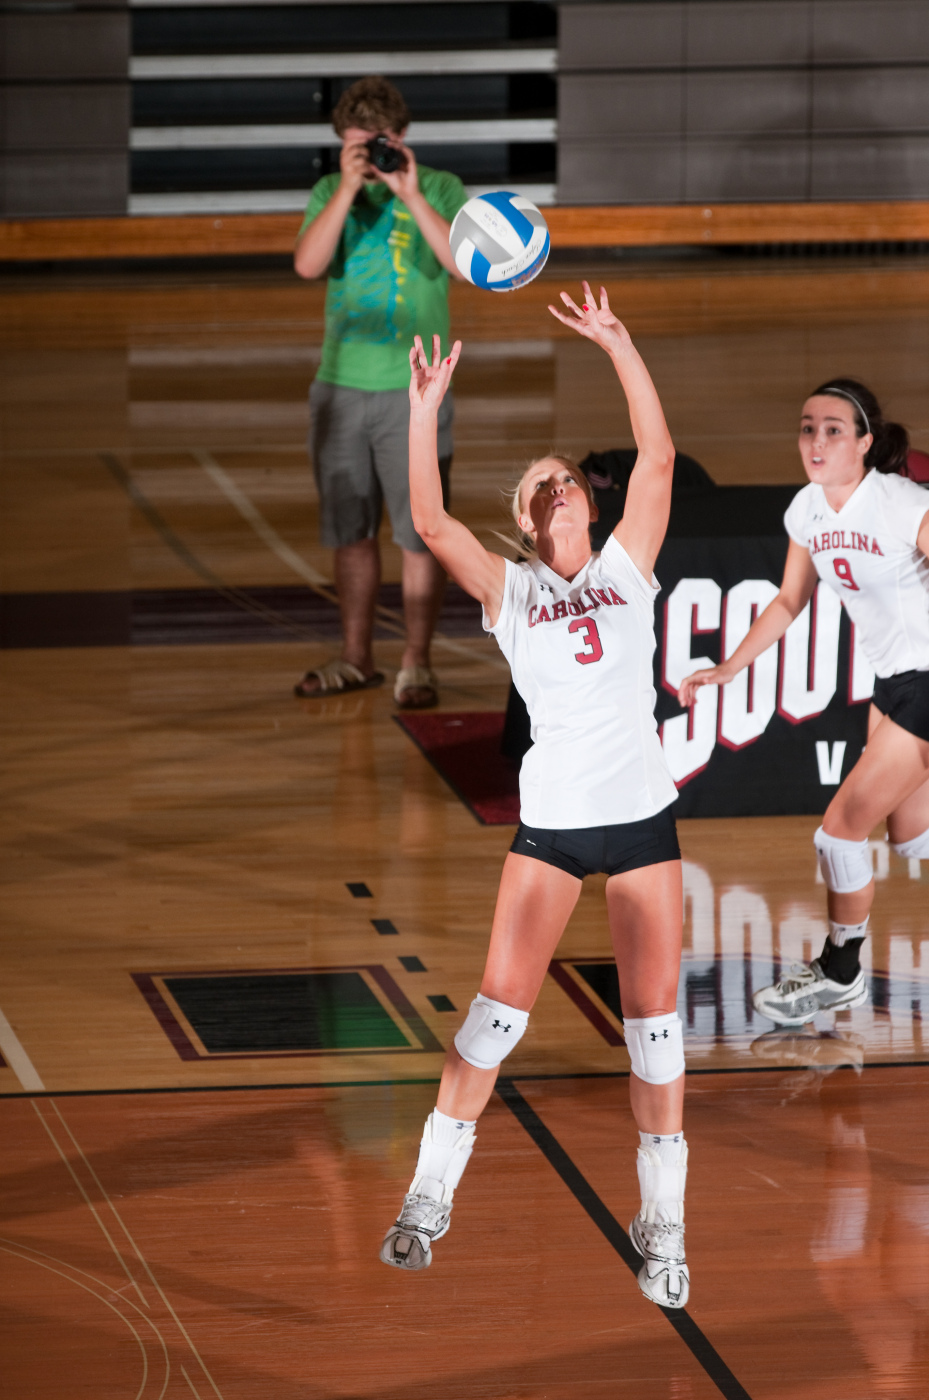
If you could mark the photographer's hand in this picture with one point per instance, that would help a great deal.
(405, 185)
(355, 165)
(318, 242)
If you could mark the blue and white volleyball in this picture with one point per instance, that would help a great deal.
(499, 241)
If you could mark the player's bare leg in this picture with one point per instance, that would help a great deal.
(891, 779)
(646, 914)
(534, 903)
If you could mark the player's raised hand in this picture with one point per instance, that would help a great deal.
(594, 322)
(713, 675)
(429, 381)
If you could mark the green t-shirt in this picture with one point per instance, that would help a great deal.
(385, 283)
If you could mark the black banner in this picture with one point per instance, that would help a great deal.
(781, 737)
(767, 745)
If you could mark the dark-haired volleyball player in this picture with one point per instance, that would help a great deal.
(577, 630)
(864, 530)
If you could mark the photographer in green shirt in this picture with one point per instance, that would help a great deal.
(380, 231)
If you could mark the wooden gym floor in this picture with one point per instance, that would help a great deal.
(196, 866)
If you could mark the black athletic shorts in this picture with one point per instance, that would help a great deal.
(587, 850)
(905, 700)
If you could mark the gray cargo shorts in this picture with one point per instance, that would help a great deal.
(359, 446)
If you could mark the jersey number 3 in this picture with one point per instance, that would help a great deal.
(592, 648)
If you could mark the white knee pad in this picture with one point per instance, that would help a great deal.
(656, 1047)
(490, 1031)
(846, 865)
(917, 849)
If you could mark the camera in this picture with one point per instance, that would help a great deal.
(385, 157)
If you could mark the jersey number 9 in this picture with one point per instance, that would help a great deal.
(844, 571)
(592, 648)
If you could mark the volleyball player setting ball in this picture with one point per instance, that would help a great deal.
(862, 529)
(595, 794)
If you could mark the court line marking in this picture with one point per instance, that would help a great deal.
(11, 1047)
(387, 618)
(253, 516)
(138, 1253)
(35, 1256)
(431, 1079)
(20, 1253)
(266, 532)
(87, 1201)
(696, 1341)
(190, 1382)
(239, 596)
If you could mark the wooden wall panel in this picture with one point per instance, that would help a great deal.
(602, 226)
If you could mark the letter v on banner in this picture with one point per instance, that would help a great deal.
(829, 758)
(688, 740)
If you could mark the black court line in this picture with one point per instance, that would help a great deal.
(690, 1334)
(399, 1083)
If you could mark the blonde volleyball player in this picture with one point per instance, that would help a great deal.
(577, 630)
(863, 530)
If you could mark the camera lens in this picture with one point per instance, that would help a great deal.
(384, 157)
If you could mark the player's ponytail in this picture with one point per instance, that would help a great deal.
(888, 451)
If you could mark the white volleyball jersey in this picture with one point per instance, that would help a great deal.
(866, 552)
(581, 657)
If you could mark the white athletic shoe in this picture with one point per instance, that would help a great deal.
(664, 1277)
(408, 1242)
(806, 991)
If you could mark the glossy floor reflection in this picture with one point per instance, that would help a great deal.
(226, 1243)
(239, 930)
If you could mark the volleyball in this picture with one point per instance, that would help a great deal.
(499, 241)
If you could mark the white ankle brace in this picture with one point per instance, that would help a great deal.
(917, 849)
(661, 1162)
(846, 865)
(446, 1145)
(840, 934)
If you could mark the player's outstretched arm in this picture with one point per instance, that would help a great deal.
(648, 499)
(479, 572)
(796, 590)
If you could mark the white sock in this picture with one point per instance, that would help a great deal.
(446, 1145)
(840, 934)
(661, 1162)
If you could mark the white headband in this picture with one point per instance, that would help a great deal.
(846, 395)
